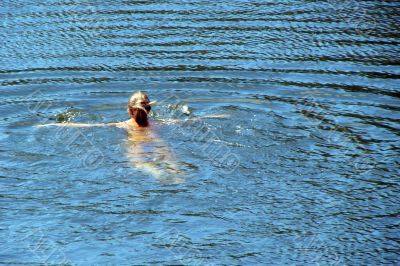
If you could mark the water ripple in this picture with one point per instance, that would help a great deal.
(311, 88)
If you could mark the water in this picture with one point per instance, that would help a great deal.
(304, 172)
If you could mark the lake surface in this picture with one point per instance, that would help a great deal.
(305, 171)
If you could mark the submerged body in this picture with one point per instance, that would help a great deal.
(147, 152)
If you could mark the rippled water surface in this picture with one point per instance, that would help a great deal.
(304, 171)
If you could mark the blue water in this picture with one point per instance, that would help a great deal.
(305, 171)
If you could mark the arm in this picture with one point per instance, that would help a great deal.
(209, 116)
(81, 125)
(174, 121)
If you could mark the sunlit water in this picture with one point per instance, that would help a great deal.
(304, 172)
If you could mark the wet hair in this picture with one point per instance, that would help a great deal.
(139, 107)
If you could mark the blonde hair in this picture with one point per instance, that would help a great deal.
(139, 107)
(139, 100)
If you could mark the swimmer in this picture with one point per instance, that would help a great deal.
(145, 150)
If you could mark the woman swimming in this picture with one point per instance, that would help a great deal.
(139, 107)
(145, 150)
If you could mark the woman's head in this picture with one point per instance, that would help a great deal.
(139, 107)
